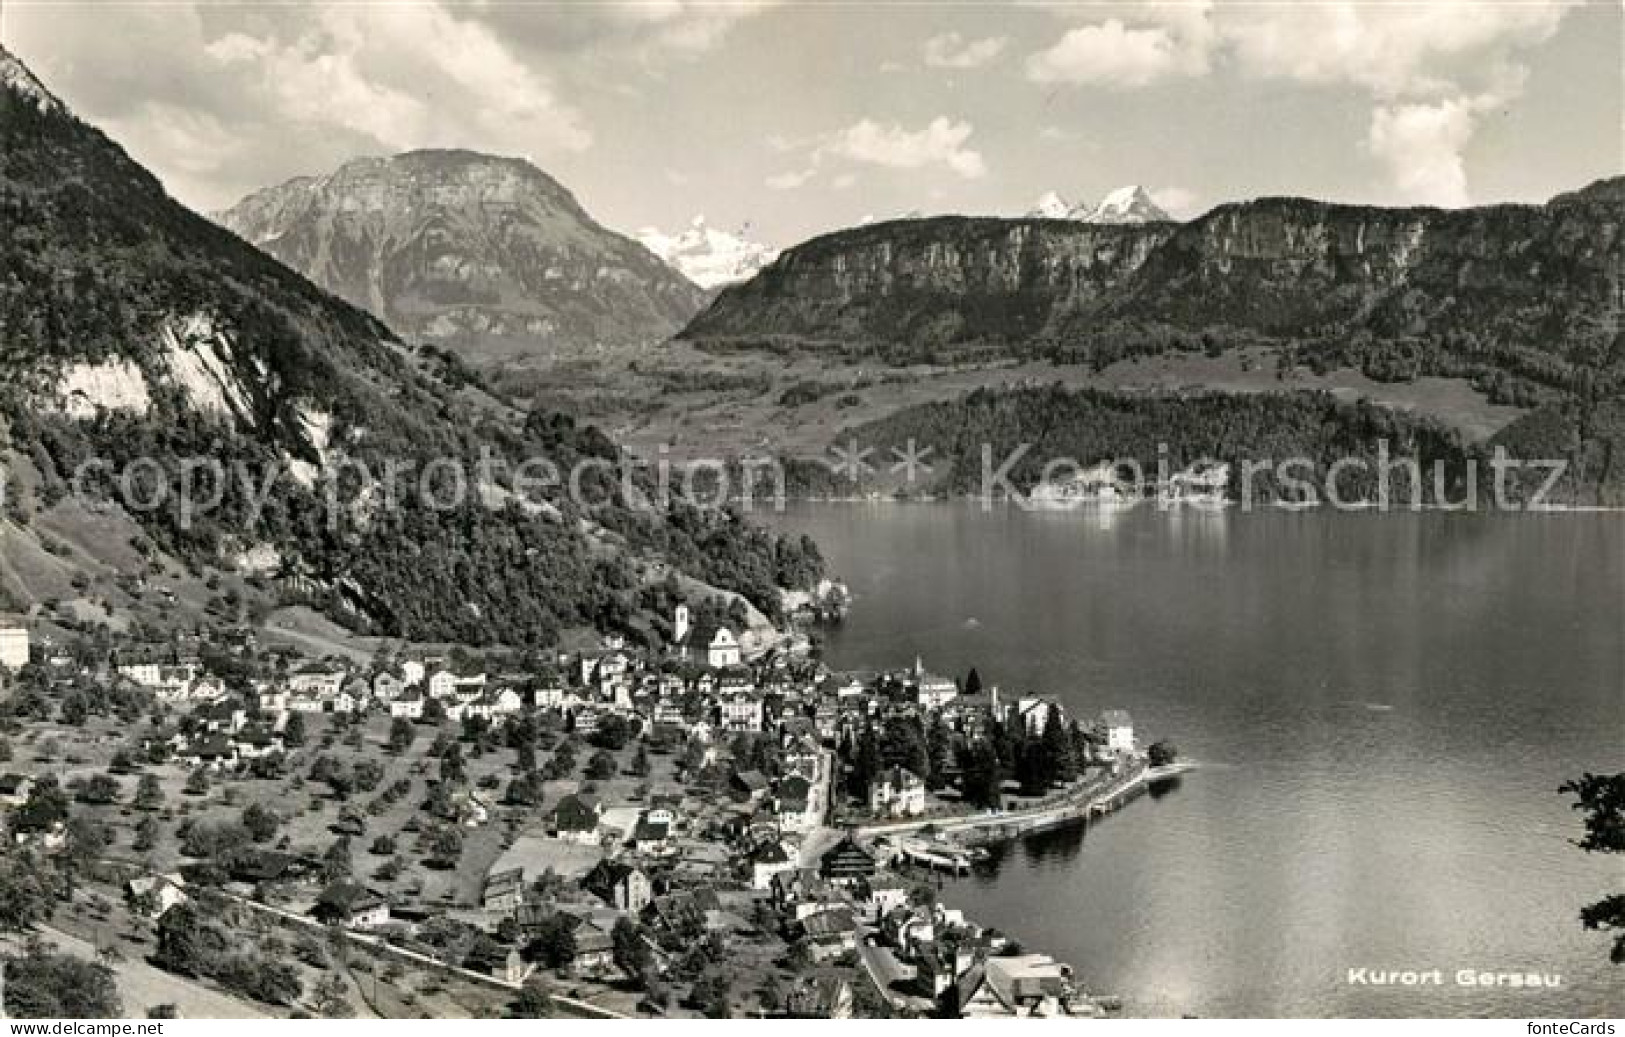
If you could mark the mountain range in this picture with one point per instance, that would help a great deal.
(140, 336)
(483, 254)
(707, 256)
(1131, 204)
(1519, 297)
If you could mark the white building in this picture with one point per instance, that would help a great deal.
(1119, 729)
(897, 792)
(742, 712)
(14, 647)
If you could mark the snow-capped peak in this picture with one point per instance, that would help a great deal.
(1130, 204)
(707, 256)
(1050, 206)
(14, 76)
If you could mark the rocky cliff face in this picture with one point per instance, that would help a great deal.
(144, 345)
(921, 283)
(486, 254)
(1528, 289)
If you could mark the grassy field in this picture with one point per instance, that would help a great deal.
(695, 404)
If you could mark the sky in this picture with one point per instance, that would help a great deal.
(788, 119)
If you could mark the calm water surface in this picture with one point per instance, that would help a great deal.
(1383, 708)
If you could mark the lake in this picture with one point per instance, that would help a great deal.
(1382, 707)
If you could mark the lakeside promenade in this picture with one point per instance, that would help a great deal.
(1088, 799)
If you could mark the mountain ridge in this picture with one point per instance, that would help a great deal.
(485, 254)
(141, 337)
(1515, 292)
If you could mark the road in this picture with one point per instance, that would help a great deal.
(821, 836)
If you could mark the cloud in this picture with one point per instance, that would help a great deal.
(940, 143)
(1177, 202)
(789, 181)
(225, 99)
(950, 50)
(1422, 146)
(650, 31)
(1112, 54)
(1430, 69)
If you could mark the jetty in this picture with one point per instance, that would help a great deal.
(1090, 800)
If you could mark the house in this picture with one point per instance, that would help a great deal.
(595, 949)
(1034, 712)
(820, 996)
(708, 641)
(1028, 985)
(793, 802)
(152, 895)
(767, 860)
(489, 958)
(830, 933)
(386, 685)
(896, 792)
(752, 784)
(576, 819)
(13, 646)
(351, 905)
(441, 684)
(930, 690)
(15, 789)
(845, 863)
(504, 891)
(649, 836)
(408, 704)
(741, 711)
(663, 810)
(620, 885)
(681, 914)
(584, 721)
(1119, 730)
(273, 700)
(550, 696)
(320, 681)
(879, 897)
(801, 892)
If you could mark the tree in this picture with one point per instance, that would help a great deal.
(710, 996)
(631, 951)
(1601, 798)
(27, 893)
(1162, 753)
(332, 997)
(188, 942)
(100, 790)
(602, 766)
(383, 846)
(402, 733)
(533, 1002)
(42, 984)
(149, 794)
(1058, 762)
(337, 862)
(446, 846)
(260, 822)
(555, 942)
(46, 807)
(771, 994)
(980, 778)
(146, 835)
(973, 682)
(640, 763)
(293, 732)
(197, 783)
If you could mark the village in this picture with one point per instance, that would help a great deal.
(606, 833)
